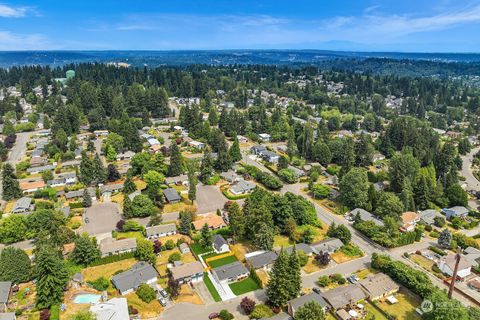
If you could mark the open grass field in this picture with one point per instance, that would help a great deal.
(422, 261)
(146, 310)
(188, 295)
(107, 270)
(244, 286)
(199, 249)
(131, 234)
(404, 309)
(184, 205)
(211, 288)
(222, 261)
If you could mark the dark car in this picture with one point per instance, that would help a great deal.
(316, 290)
(213, 315)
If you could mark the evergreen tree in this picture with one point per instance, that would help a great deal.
(99, 172)
(127, 207)
(87, 171)
(278, 292)
(175, 167)
(205, 236)
(51, 276)
(291, 143)
(15, 265)
(321, 153)
(234, 152)
(112, 173)
(206, 167)
(185, 225)
(406, 196)
(295, 279)
(85, 251)
(11, 187)
(129, 186)
(445, 238)
(237, 221)
(192, 184)
(87, 199)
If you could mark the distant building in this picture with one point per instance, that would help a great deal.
(31, 186)
(457, 211)
(265, 137)
(409, 221)
(428, 216)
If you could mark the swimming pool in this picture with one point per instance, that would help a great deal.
(87, 298)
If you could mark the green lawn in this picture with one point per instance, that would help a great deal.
(373, 313)
(210, 255)
(244, 286)
(222, 261)
(199, 249)
(211, 288)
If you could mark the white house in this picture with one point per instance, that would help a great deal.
(161, 230)
(447, 265)
(219, 244)
(113, 309)
(197, 144)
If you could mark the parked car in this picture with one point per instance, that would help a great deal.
(163, 293)
(213, 315)
(316, 290)
(162, 301)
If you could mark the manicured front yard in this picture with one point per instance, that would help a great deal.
(244, 286)
(107, 270)
(131, 234)
(211, 288)
(199, 249)
(422, 261)
(404, 309)
(347, 253)
(222, 261)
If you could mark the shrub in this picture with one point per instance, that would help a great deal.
(288, 175)
(324, 281)
(247, 305)
(131, 225)
(261, 311)
(437, 250)
(176, 256)
(225, 315)
(145, 293)
(169, 244)
(100, 284)
(320, 191)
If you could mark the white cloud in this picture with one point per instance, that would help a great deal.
(7, 11)
(13, 41)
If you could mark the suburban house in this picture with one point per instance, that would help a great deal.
(428, 216)
(128, 281)
(242, 187)
(187, 272)
(111, 188)
(219, 244)
(472, 255)
(23, 205)
(242, 139)
(197, 145)
(212, 220)
(230, 176)
(79, 194)
(409, 221)
(328, 245)
(378, 157)
(111, 246)
(261, 259)
(161, 230)
(38, 161)
(113, 309)
(71, 163)
(56, 183)
(296, 303)
(365, 216)
(306, 248)
(178, 180)
(100, 133)
(341, 297)
(457, 211)
(265, 137)
(447, 265)
(171, 195)
(31, 186)
(5, 291)
(36, 170)
(258, 149)
(379, 286)
(230, 272)
(125, 155)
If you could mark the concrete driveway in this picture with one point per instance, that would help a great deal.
(102, 218)
(209, 199)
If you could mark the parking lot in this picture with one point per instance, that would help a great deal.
(209, 199)
(101, 218)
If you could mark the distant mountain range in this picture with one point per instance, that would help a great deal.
(214, 57)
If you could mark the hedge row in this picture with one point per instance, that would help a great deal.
(111, 259)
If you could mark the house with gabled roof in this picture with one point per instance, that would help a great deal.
(219, 244)
(161, 230)
(129, 281)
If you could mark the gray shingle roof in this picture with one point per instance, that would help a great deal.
(429, 215)
(378, 284)
(328, 245)
(140, 273)
(218, 241)
(300, 301)
(366, 216)
(231, 270)
(22, 204)
(261, 260)
(171, 195)
(341, 296)
(243, 186)
(5, 287)
(7, 316)
(186, 270)
(301, 247)
(108, 246)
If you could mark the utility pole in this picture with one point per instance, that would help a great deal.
(454, 276)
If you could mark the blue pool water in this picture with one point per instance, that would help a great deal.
(87, 298)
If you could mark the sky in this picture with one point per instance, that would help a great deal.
(351, 25)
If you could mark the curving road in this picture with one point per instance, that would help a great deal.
(470, 180)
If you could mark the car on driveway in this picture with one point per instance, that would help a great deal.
(316, 290)
(162, 301)
(163, 293)
(213, 315)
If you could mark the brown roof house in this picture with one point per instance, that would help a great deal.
(378, 286)
(409, 221)
(188, 272)
(212, 220)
